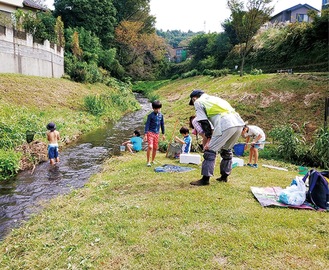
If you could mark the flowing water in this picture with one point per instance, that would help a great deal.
(20, 197)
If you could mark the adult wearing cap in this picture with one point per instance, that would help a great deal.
(227, 125)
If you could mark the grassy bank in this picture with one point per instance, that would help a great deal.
(129, 217)
(29, 103)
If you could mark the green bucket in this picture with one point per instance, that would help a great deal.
(302, 170)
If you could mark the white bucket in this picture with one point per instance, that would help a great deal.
(122, 148)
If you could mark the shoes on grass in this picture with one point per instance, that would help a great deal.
(252, 165)
(148, 164)
(222, 179)
(200, 182)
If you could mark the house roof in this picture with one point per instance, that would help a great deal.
(32, 4)
(297, 7)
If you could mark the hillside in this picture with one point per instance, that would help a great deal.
(265, 100)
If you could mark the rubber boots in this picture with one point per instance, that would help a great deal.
(204, 181)
(223, 178)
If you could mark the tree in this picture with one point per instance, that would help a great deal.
(246, 23)
(59, 30)
(135, 11)
(97, 16)
(198, 46)
(76, 46)
(141, 53)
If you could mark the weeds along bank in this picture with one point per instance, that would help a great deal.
(28, 103)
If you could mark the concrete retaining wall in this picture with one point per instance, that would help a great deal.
(23, 56)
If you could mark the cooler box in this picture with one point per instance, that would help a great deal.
(190, 158)
(237, 162)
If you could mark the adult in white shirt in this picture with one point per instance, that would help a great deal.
(227, 127)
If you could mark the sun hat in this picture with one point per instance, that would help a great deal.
(51, 126)
(195, 93)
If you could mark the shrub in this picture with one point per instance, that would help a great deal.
(9, 163)
(292, 147)
(290, 143)
(175, 77)
(191, 73)
(96, 105)
(320, 149)
(256, 71)
(216, 72)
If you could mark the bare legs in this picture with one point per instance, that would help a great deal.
(53, 161)
(253, 154)
(150, 150)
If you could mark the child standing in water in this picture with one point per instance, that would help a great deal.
(154, 123)
(53, 138)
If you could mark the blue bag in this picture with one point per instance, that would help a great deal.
(318, 191)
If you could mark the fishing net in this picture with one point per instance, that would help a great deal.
(29, 136)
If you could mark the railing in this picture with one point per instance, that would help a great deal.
(289, 71)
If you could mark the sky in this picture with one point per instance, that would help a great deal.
(205, 15)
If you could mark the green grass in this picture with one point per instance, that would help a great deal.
(129, 217)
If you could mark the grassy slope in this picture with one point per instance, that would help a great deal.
(129, 217)
(266, 100)
(37, 101)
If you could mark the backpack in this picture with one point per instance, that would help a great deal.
(318, 191)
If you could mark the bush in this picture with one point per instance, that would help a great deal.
(256, 71)
(96, 105)
(292, 147)
(320, 149)
(9, 163)
(216, 72)
(163, 146)
(191, 73)
(290, 143)
(174, 77)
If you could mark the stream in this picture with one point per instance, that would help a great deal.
(20, 197)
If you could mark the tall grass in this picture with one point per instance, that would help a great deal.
(148, 88)
(9, 163)
(320, 149)
(96, 105)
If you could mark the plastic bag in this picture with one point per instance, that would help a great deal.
(295, 194)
